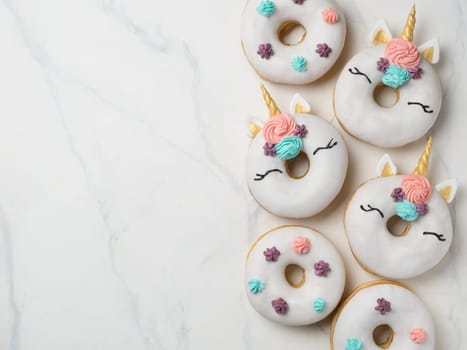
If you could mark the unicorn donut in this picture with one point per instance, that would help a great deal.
(296, 163)
(294, 276)
(382, 315)
(400, 68)
(397, 225)
(268, 25)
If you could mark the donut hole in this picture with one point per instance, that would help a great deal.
(386, 96)
(383, 336)
(298, 167)
(294, 275)
(398, 227)
(291, 33)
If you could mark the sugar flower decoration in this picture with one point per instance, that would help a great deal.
(266, 8)
(400, 63)
(330, 16)
(354, 344)
(383, 306)
(271, 254)
(395, 76)
(417, 335)
(319, 305)
(321, 268)
(283, 137)
(323, 50)
(289, 147)
(280, 306)
(278, 127)
(301, 245)
(299, 63)
(417, 188)
(255, 285)
(265, 51)
(412, 197)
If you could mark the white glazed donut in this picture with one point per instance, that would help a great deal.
(395, 64)
(301, 63)
(426, 230)
(269, 179)
(382, 303)
(296, 303)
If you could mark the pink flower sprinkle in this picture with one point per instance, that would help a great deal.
(417, 335)
(301, 245)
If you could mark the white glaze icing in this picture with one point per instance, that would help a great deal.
(285, 196)
(258, 29)
(300, 300)
(387, 255)
(358, 318)
(360, 115)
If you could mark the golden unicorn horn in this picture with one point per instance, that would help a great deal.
(409, 27)
(424, 161)
(273, 109)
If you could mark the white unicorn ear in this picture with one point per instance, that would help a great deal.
(430, 50)
(380, 33)
(254, 128)
(386, 167)
(447, 189)
(299, 105)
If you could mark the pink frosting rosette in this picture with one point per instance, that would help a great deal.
(417, 189)
(402, 53)
(301, 245)
(278, 127)
(330, 16)
(417, 335)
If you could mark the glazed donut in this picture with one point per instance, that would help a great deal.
(265, 22)
(382, 314)
(425, 231)
(283, 138)
(400, 66)
(274, 295)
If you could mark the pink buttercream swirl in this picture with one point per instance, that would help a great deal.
(417, 189)
(278, 127)
(417, 335)
(301, 245)
(330, 16)
(402, 53)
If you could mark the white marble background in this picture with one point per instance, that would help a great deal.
(124, 216)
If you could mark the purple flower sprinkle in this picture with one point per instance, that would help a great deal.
(416, 73)
(271, 254)
(382, 64)
(300, 131)
(321, 268)
(422, 208)
(383, 306)
(323, 50)
(280, 306)
(298, 2)
(269, 149)
(398, 194)
(265, 50)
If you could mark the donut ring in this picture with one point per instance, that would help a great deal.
(425, 232)
(279, 298)
(382, 305)
(265, 24)
(324, 156)
(399, 66)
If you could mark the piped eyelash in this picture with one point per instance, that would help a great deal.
(356, 71)
(262, 176)
(426, 108)
(370, 208)
(330, 145)
(437, 235)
